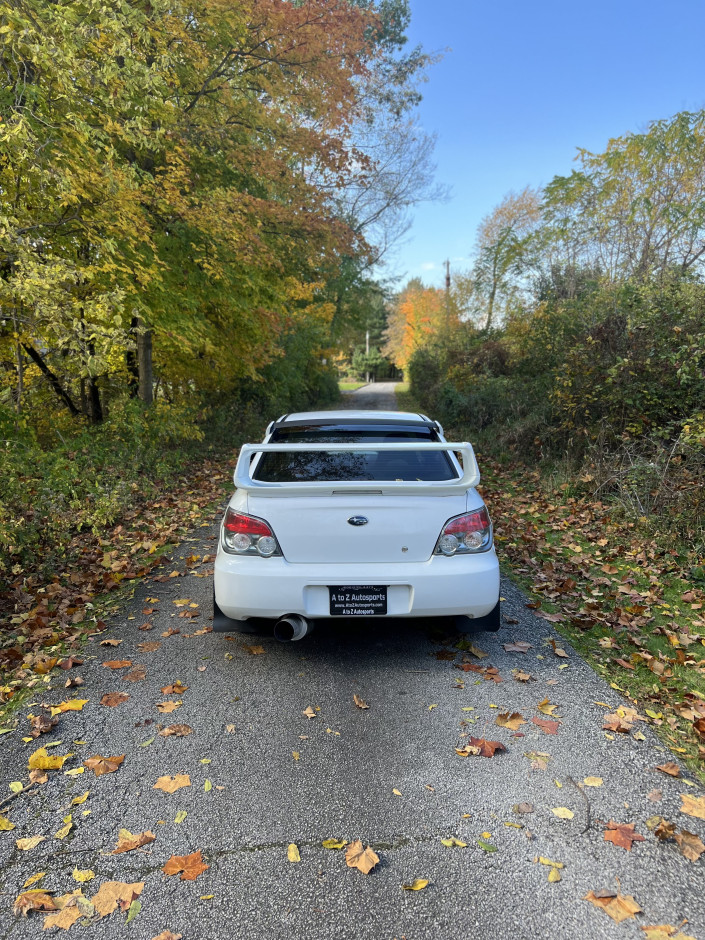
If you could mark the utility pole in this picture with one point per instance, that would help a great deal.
(367, 353)
(447, 267)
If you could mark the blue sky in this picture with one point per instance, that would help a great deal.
(523, 85)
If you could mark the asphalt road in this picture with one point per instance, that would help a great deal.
(246, 712)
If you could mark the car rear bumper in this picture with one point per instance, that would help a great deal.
(272, 587)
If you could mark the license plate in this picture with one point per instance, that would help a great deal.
(358, 600)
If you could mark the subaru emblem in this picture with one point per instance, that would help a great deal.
(358, 520)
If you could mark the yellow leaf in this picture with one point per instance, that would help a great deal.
(295, 755)
(592, 782)
(85, 875)
(454, 843)
(40, 760)
(207, 786)
(75, 705)
(33, 879)
(77, 800)
(30, 843)
(418, 884)
(16, 786)
(396, 792)
(563, 812)
(547, 861)
(292, 853)
(554, 875)
(180, 816)
(5, 824)
(334, 843)
(207, 897)
(75, 772)
(431, 707)
(65, 829)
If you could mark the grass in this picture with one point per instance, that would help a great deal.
(350, 386)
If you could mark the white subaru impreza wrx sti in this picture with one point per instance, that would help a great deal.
(339, 515)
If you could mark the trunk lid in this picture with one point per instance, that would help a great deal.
(314, 529)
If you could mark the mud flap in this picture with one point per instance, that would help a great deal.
(223, 624)
(489, 623)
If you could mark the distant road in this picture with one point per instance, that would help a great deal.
(378, 395)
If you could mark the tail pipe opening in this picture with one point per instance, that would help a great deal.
(291, 628)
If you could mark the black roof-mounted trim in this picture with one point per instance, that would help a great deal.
(355, 422)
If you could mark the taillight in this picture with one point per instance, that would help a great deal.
(248, 535)
(471, 532)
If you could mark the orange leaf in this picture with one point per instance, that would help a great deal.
(35, 900)
(622, 834)
(117, 663)
(362, 859)
(190, 866)
(178, 730)
(127, 841)
(103, 765)
(111, 699)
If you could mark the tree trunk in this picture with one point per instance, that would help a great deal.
(53, 380)
(144, 362)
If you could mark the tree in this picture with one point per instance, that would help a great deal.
(494, 282)
(638, 209)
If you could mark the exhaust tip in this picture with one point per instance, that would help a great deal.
(291, 628)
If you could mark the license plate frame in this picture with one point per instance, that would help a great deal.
(358, 600)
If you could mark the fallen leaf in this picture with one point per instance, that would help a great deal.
(127, 841)
(149, 646)
(547, 726)
(78, 800)
(65, 829)
(619, 907)
(5, 824)
(523, 808)
(655, 796)
(110, 642)
(111, 699)
(309, 712)
(36, 900)
(292, 853)
(136, 675)
(691, 845)
(178, 731)
(592, 782)
(29, 843)
(663, 830)
(190, 866)
(554, 875)
(512, 721)
(486, 846)
(481, 747)
(364, 859)
(172, 784)
(622, 834)
(539, 760)
(117, 663)
(33, 879)
(616, 723)
(103, 765)
(168, 935)
(167, 707)
(40, 760)
(665, 932)
(693, 805)
(517, 646)
(563, 812)
(671, 768)
(176, 688)
(83, 875)
(180, 816)
(255, 650)
(454, 843)
(546, 708)
(521, 676)
(418, 884)
(41, 724)
(334, 843)
(114, 893)
(359, 702)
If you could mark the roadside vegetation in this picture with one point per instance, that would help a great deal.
(572, 354)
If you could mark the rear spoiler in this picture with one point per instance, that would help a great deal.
(470, 476)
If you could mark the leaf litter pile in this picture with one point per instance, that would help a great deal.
(633, 607)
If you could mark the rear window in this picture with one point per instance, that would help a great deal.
(368, 465)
